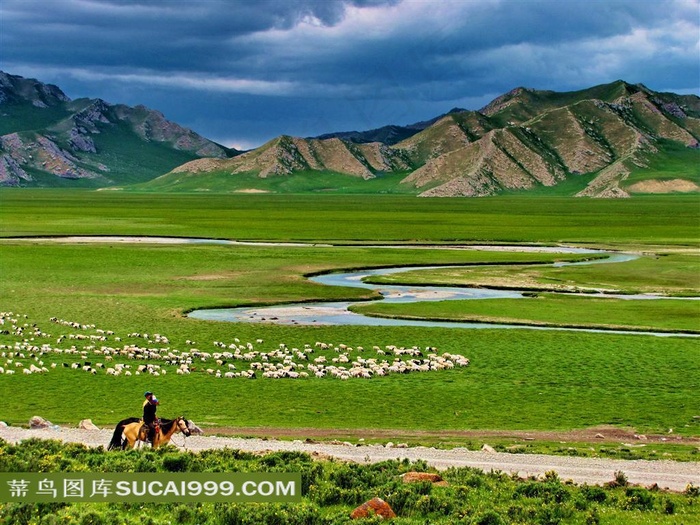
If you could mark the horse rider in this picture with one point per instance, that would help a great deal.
(150, 406)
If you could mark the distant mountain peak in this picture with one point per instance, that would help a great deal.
(44, 135)
(14, 88)
(390, 135)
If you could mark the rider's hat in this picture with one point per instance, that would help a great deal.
(148, 393)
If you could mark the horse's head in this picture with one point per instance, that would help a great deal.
(182, 426)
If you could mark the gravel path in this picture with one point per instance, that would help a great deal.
(666, 474)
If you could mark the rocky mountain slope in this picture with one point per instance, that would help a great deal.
(47, 139)
(607, 141)
(286, 155)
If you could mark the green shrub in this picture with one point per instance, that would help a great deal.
(269, 514)
(325, 494)
(344, 478)
(402, 500)
(620, 480)
(638, 499)
(490, 517)
(311, 475)
(593, 518)
(553, 514)
(431, 504)
(176, 462)
(91, 517)
(18, 513)
(594, 493)
(49, 519)
(183, 514)
(521, 514)
(548, 491)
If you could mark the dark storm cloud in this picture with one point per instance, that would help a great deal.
(245, 71)
(185, 35)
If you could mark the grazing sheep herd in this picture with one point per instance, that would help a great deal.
(89, 349)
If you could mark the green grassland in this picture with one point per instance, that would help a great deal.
(648, 220)
(674, 274)
(300, 182)
(554, 382)
(518, 379)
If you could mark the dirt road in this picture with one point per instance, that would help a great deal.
(666, 474)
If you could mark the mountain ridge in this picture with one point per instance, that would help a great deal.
(390, 134)
(46, 138)
(599, 141)
(611, 140)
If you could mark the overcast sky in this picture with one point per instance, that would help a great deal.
(244, 71)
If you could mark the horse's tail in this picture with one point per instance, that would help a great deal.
(117, 441)
(116, 438)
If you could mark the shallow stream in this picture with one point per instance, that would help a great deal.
(338, 313)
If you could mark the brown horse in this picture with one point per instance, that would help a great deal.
(136, 432)
(118, 440)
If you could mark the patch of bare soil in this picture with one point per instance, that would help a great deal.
(210, 277)
(664, 186)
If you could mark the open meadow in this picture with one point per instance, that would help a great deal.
(518, 379)
(89, 326)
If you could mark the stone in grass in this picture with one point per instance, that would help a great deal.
(418, 477)
(87, 424)
(39, 422)
(373, 507)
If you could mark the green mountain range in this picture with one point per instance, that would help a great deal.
(47, 139)
(612, 140)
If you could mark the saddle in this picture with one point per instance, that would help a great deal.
(145, 430)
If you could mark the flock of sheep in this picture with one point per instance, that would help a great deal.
(92, 350)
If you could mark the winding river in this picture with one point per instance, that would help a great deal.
(338, 313)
